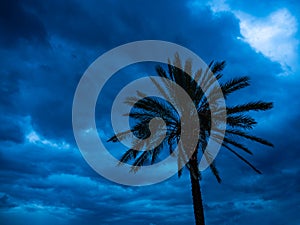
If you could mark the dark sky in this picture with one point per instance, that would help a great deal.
(47, 45)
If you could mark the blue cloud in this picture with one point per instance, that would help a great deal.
(45, 49)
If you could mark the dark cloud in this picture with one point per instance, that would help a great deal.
(47, 46)
(11, 130)
(5, 202)
(18, 23)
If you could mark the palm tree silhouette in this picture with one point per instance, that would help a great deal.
(238, 122)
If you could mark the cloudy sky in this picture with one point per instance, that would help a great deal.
(46, 47)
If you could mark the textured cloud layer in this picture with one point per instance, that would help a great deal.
(46, 47)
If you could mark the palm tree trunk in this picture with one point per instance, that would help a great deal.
(196, 192)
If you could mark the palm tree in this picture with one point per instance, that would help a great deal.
(238, 122)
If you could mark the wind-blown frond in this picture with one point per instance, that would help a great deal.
(234, 85)
(242, 121)
(218, 67)
(242, 158)
(155, 152)
(237, 145)
(251, 106)
(140, 161)
(118, 137)
(250, 137)
(128, 155)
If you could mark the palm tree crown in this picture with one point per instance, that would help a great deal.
(238, 121)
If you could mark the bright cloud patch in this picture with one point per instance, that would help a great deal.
(272, 36)
(219, 5)
(34, 138)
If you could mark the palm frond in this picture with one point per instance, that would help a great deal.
(139, 162)
(252, 106)
(198, 75)
(128, 155)
(242, 121)
(218, 67)
(234, 85)
(237, 145)
(242, 158)
(118, 137)
(155, 152)
(250, 137)
(160, 88)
